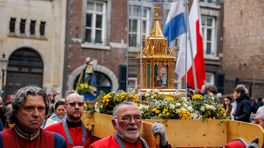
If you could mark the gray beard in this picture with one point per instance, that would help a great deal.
(127, 137)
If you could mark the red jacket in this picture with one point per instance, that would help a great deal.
(8, 139)
(76, 134)
(110, 142)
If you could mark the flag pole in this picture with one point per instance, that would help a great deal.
(127, 52)
(174, 51)
(191, 47)
(140, 39)
(186, 45)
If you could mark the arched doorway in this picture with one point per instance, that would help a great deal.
(103, 83)
(25, 67)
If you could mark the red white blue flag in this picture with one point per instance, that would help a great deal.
(195, 40)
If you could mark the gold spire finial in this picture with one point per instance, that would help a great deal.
(156, 7)
(156, 30)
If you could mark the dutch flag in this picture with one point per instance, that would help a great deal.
(175, 24)
(176, 28)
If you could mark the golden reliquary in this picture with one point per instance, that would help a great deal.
(158, 61)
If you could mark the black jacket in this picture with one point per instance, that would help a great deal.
(243, 109)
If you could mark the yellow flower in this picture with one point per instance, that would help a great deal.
(84, 104)
(135, 98)
(222, 111)
(122, 96)
(155, 110)
(165, 109)
(106, 99)
(83, 88)
(84, 85)
(167, 114)
(197, 97)
(185, 114)
(169, 99)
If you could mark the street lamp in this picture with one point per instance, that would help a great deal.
(3, 62)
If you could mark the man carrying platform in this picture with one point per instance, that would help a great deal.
(127, 121)
(72, 129)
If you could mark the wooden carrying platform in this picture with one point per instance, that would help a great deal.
(184, 133)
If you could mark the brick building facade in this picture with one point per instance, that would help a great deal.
(121, 37)
(95, 29)
(243, 45)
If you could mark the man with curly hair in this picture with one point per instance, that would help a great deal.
(30, 106)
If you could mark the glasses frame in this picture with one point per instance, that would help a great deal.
(129, 118)
(74, 104)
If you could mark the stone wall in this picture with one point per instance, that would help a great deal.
(243, 46)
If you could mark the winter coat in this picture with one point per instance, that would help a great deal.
(243, 109)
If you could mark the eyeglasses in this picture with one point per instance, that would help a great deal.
(73, 104)
(127, 118)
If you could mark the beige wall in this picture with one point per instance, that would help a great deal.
(50, 48)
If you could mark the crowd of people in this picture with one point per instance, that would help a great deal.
(31, 123)
(32, 120)
(238, 105)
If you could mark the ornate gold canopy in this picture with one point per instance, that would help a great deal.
(158, 61)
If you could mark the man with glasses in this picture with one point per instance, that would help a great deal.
(127, 121)
(72, 129)
(30, 105)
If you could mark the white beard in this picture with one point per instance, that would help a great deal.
(130, 138)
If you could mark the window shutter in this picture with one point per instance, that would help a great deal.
(122, 77)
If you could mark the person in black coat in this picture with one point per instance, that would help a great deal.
(243, 109)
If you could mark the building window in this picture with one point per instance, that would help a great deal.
(22, 26)
(210, 78)
(208, 29)
(95, 22)
(12, 25)
(136, 36)
(42, 28)
(32, 27)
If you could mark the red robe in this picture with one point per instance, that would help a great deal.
(8, 139)
(76, 134)
(110, 142)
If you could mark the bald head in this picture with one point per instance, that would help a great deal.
(74, 107)
(73, 95)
